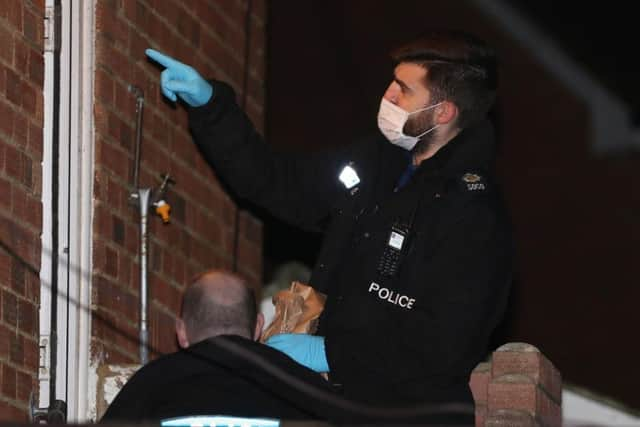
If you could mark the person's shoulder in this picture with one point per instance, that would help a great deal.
(260, 359)
(165, 363)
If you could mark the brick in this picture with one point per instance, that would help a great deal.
(16, 349)
(104, 293)
(35, 143)
(156, 258)
(5, 268)
(124, 271)
(33, 285)
(251, 228)
(185, 244)
(520, 393)
(11, 413)
(165, 294)
(34, 212)
(104, 87)
(509, 418)
(6, 120)
(8, 381)
(5, 191)
(125, 303)
(480, 415)
(20, 130)
(126, 103)
(137, 44)
(103, 325)
(249, 258)
(27, 317)
(12, 87)
(108, 24)
(5, 339)
(36, 68)
(29, 98)
(118, 230)
(525, 359)
(9, 308)
(31, 355)
(165, 342)
(17, 277)
(25, 385)
(12, 11)
(127, 338)
(21, 56)
(33, 27)
(113, 158)
(186, 25)
(27, 170)
(177, 207)
(19, 202)
(111, 262)
(6, 45)
(479, 382)
(135, 12)
(39, 117)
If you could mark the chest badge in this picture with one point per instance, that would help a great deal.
(473, 182)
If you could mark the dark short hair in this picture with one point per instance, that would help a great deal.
(205, 316)
(460, 68)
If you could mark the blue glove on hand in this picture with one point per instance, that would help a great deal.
(181, 79)
(307, 350)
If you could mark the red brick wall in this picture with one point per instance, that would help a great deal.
(21, 119)
(209, 35)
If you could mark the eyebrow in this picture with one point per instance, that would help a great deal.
(402, 84)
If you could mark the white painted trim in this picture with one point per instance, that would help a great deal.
(81, 169)
(47, 228)
(75, 208)
(64, 140)
(612, 129)
(82, 206)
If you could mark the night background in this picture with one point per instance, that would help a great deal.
(574, 209)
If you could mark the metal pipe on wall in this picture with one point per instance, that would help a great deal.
(136, 161)
(142, 197)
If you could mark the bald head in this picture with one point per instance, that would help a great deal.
(217, 303)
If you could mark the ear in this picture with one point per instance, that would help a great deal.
(446, 113)
(259, 324)
(181, 333)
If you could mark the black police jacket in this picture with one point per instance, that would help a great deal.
(417, 279)
(225, 375)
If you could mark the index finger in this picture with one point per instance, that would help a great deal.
(162, 59)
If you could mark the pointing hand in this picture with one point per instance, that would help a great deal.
(182, 80)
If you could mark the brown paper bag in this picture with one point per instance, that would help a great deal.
(297, 311)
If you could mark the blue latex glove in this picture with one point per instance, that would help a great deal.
(307, 350)
(182, 80)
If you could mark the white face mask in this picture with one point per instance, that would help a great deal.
(391, 121)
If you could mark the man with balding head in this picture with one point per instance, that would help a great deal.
(220, 368)
(218, 303)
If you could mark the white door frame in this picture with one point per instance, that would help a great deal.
(75, 209)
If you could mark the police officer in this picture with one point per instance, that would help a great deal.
(417, 255)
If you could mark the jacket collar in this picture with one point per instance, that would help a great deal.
(472, 149)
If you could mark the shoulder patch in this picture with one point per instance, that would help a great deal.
(473, 182)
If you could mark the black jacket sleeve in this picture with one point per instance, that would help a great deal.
(298, 188)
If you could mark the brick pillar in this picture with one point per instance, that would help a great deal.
(518, 387)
